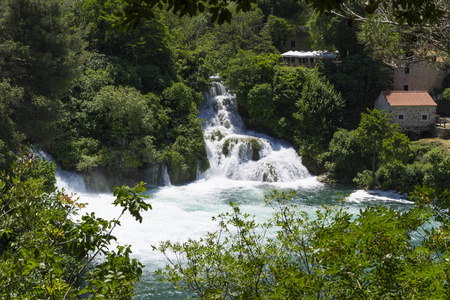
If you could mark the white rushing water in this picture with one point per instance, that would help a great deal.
(239, 154)
(243, 175)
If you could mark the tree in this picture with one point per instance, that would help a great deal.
(10, 139)
(292, 103)
(345, 157)
(40, 51)
(46, 254)
(410, 10)
(373, 130)
(378, 253)
(114, 127)
(330, 32)
(394, 29)
(248, 69)
(319, 114)
(376, 145)
(142, 58)
(359, 79)
(187, 151)
(279, 30)
(401, 36)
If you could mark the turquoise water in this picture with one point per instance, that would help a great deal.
(183, 212)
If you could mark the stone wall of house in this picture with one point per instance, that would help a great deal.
(417, 77)
(415, 118)
(382, 104)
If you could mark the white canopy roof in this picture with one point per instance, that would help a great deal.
(315, 54)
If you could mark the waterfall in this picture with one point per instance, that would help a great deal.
(238, 154)
(69, 181)
(165, 175)
(157, 175)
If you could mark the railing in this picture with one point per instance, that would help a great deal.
(440, 121)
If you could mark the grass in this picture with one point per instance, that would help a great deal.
(436, 141)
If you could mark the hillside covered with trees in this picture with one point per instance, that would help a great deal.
(113, 88)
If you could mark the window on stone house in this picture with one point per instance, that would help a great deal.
(406, 87)
(406, 70)
(401, 117)
(424, 117)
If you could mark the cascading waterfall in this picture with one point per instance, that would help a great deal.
(241, 164)
(238, 154)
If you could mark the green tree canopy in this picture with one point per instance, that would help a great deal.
(409, 10)
(39, 46)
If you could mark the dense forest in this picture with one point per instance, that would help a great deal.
(113, 88)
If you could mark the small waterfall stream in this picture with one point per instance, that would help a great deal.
(238, 154)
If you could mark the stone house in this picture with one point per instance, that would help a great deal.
(414, 111)
(419, 76)
(299, 41)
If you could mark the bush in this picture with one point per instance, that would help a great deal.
(366, 180)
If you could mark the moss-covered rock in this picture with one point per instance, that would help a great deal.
(254, 143)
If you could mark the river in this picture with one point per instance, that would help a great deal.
(245, 166)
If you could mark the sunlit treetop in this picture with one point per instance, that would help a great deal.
(410, 11)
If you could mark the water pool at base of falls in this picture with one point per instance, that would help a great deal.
(182, 212)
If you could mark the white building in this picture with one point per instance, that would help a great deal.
(307, 58)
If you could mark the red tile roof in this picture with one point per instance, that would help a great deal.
(409, 98)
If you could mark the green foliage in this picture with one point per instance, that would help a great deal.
(399, 41)
(444, 105)
(438, 174)
(279, 30)
(116, 127)
(246, 32)
(142, 57)
(446, 94)
(345, 156)
(40, 51)
(330, 32)
(287, 9)
(378, 146)
(373, 129)
(185, 134)
(10, 139)
(359, 79)
(45, 254)
(319, 113)
(376, 253)
(247, 70)
(373, 145)
(413, 11)
(292, 103)
(366, 180)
